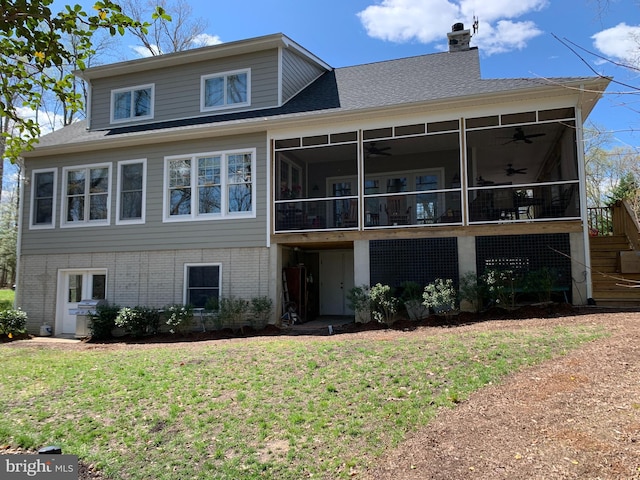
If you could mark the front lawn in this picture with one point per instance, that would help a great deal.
(283, 408)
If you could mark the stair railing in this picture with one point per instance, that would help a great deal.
(626, 223)
(600, 221)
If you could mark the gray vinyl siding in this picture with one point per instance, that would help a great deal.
(297, 73)
(154, 234)
(177, 89)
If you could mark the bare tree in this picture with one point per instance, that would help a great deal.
(181, 33)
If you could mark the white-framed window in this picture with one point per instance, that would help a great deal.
(131, 199)
(43, 197)
(225, 90)
(209, 186)
(202, 282)
(132, 103)
(87, 195)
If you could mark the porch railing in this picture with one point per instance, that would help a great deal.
(600, 220)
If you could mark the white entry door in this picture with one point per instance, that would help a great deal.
(336, 279)
(73, 287)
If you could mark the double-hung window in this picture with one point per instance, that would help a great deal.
(210, 185)
(225, 90)
(87, 195)
(202, 284)
(134, 103)
(43, 194)
(130, 202)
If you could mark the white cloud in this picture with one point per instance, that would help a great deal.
(48, 121)
(204, 40)
(505, 36)
(144, 52)
(620, 43)
(428, 21)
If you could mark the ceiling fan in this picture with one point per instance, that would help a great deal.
(374, 151)
(483, 182)
(520, 136)
(512, 171)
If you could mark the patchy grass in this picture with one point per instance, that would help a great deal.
(275, 408)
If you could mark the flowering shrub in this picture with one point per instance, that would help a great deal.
(500, 286)
(179, 318)
(12, 322)
(384, 304)
(138, 320)
(440, 295)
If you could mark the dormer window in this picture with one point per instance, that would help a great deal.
(225, 90)
(134, 103)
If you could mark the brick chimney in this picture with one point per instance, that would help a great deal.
(459, 38)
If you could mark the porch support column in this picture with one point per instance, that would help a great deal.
(466, 263)
(579, 271)
(275, 280)
(361, 270)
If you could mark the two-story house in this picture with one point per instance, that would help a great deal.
(209, 172)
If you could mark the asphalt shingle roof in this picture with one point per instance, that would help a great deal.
(426, 78)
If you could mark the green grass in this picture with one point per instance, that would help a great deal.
(274, 408)
(6, 297)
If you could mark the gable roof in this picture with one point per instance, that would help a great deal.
(426, 80)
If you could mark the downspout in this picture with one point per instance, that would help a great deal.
(88, 105)
(582, 175)
(19, 239)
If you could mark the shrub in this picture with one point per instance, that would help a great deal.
(539, 282)
(440, 295)
(138, 320)
(359, 300)
(471, 291)
(500, 287)
(13, 322)
(411, 291)
(179, 318)
(231, 311)
(103, 321)
(383, 304)
(261, 308)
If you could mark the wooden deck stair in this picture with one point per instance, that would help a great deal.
(607, 291)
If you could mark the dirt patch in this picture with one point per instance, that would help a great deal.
(574, 417)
